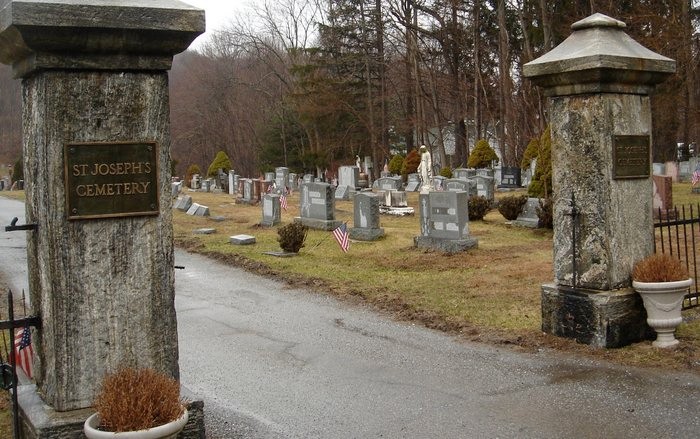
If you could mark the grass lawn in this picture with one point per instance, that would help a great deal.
(489, 294)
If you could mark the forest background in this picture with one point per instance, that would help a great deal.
(310, 84)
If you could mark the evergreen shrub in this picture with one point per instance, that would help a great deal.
(478, 207)
(511, 206)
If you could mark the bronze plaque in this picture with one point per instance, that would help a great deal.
(111, 179)
(631, 157)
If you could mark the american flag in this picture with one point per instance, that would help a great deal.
(24, 353)
(341, 235)
(695, 179)
(283, 201)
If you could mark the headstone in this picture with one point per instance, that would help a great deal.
(659, 168)
(385, 174)
(95, 91)
(684, 171)
(460, 185)
(342, 193)
(484, 186)
(281, 178)
(598, 81)
(510, 177)
(2, 185)
(293, 181)
(247, 191)
(242, 239)
(663, 195)
(439, 183)
(206, 185)
(389, 183)
(528, 215)
(195, 182)
(348, 176)
(460, 173)
(232, 182)
(271, 211)
(484, 172)
(183, 203)
(308, 178)
(394, 199)
(198, 210)
(444, 222)
(672, 171)
(269, 176)
(205, 231)
(317, 206)
(366, 217)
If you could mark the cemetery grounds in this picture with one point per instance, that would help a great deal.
(490, 294)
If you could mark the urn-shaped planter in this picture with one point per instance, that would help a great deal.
(137, 404)
(165, 431)
(663, 302)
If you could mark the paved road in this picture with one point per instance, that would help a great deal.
(274, 362)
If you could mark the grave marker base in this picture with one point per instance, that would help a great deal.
(318, 224)
(365, 234)
(606, 319)
(445, 245)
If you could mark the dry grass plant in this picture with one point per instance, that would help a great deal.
(659, 267)
(137, 399)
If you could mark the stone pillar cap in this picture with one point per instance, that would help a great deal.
(95, 34)
(599, 57)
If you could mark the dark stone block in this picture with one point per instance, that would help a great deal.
(445, 245)
(608, 319)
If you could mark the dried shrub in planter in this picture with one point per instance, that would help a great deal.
(511, 206)
(478, 207)
(545, 213)
(292, 236)
(137, 399)
(659, 267)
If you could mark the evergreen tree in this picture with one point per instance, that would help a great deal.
(541, 184)
(482, 155)
(221, 161)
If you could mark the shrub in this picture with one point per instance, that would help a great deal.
(478, 207)
(292, 236)
(659, 267)
(221, 161)
(545, 213)
(193, 169)
(446, 172)
(482, 155)
(511, 206)
(137, 399)
(395, 164)
(541, 184)
(410, 163)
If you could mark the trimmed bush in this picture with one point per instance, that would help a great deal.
(446, 172)
(511, 206)
(541, 184)
(292, 236)
(478, 207)
(221, 161)
(545, 213)
(395, 164)
(482, 155)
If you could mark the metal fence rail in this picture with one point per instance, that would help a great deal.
(677, 233)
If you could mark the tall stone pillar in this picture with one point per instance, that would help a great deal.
(598, 81)
(97, 170)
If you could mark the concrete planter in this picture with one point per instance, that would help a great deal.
(663, 302)
(167, 431)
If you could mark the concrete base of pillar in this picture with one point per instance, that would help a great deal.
(38, 420)
(607, 319)
(318, 224)
(445, 245)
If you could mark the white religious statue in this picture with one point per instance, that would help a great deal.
(425, 168)
(358, 163)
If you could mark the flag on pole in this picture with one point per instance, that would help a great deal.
(24, 353)
(283, 201)
(341, 235)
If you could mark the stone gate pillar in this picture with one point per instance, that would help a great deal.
(598, 81)
(97, 167)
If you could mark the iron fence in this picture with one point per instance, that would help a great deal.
(677, 232)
